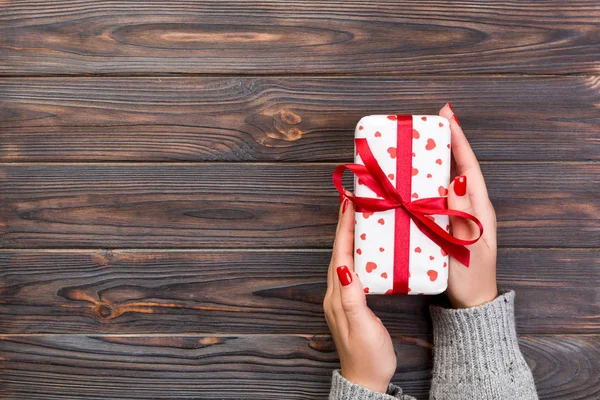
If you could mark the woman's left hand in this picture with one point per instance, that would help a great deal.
(364, 345)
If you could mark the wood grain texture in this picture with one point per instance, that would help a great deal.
(166, 207)
(250, 367)
(258, 205)
(259, 37)
(285, 119)
(158, 291)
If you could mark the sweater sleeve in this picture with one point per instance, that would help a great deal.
(343, 389)
(476, 354)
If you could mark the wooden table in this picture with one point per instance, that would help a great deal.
(166, 207)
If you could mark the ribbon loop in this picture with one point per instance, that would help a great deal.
(371, 175)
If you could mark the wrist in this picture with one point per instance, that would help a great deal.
(474, 301)
(376, 385)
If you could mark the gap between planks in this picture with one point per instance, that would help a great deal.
(289, 163)
(238, 249)
(403, 75)
(233, 334)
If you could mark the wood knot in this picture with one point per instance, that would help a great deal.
(103, 258)
(104, 311)
(282, 121)
(294, 134)
(322, 343)
(288, 117)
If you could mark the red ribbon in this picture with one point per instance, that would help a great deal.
(373, 177)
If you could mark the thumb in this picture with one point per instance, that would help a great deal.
(459, 199)
(353, 299)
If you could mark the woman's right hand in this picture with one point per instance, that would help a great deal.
(475, 285)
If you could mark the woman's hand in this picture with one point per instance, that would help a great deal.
(364, 345)
(476, 285)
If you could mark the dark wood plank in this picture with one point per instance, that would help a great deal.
(392, 37)
(258, 205)
(134, 291)
(249, 367)
(285, 119)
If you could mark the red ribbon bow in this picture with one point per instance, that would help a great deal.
(372, 175)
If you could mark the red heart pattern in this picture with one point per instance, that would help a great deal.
(392, 151)
(371, 266)
(433, 133)
(430, 144)
(432, 275)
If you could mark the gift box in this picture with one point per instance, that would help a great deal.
(402, 228)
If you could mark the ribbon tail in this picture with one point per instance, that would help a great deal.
(417, 210)
(457, 251)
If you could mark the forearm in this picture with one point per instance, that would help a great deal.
(477, 355)
(342, 389)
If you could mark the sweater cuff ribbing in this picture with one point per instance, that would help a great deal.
(474, 343)
(343, 389)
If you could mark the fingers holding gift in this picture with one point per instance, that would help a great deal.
(467, 165)
(343, 254)
(459, 199)
(332, 304)
(352, 299)
(343, 247)
(463, 156)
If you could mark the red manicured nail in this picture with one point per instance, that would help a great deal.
(450, 107)
(344, 205)
(344, 275)
(456, 119)
(460, 185)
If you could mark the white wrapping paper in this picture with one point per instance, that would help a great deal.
(374, 233)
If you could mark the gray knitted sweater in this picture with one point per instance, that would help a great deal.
(476, 356)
